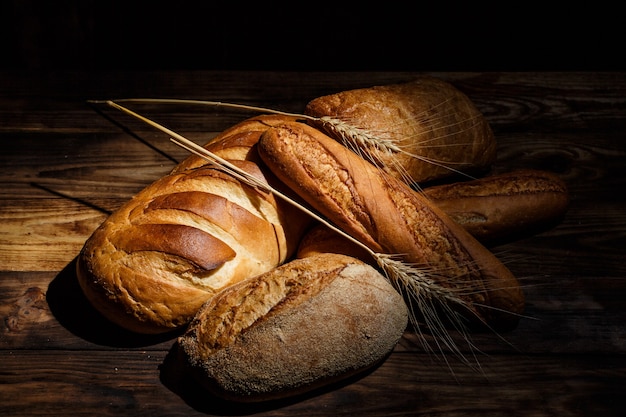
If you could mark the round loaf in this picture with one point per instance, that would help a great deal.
(305, 324)
(153, 262)
(438, 128)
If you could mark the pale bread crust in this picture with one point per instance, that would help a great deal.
(302, 325)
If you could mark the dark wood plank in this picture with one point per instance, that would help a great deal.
(44, 310)
(139, 383)
(65, 164)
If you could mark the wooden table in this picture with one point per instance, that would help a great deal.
(65, 165)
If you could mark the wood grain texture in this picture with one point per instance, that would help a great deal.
(138, 383)
(65, 164)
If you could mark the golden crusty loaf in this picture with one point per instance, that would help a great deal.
(302, 325)
(389, 217)
(494, 209)
(428, 118)
(503, 206)
(160, 256)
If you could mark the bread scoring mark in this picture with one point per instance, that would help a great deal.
(255, 201)
(439, 248)
(465, 217)
(214, 208)
(238, 307)
(187, 242)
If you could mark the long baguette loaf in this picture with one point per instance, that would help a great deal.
(503, 206)
(494, 209)
(439, 128)
(389, 217)
(304, 324)
(152, 264)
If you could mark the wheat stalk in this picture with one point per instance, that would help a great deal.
(421, 287)
(359, 140)
(416, 284)
(362, 141)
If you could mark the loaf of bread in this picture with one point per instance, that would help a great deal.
(494, 209)
(152, 264)
(436, 127)
(305, 324)
(504, 206)
(389, 217)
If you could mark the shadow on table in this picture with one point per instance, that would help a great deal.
(73, 311)
(177, 377)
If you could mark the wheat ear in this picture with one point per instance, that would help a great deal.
(357, 139)
(415, 284)
(363, 142)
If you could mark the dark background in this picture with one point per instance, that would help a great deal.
(139, 35)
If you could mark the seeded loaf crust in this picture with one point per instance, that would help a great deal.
(428, 118)
(305, 324)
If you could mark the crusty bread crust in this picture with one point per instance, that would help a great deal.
(237, 143)
(388, 216)
(152, 264)
(321, 239)
(503, 206)
(427, 117)
(302, 325)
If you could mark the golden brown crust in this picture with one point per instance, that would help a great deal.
(185, 242)
(387, 216)
(237, 142)
(319, 177)
(427, 117)
(304, 324)
(159, 257)
(503, 206)
(320, 239)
